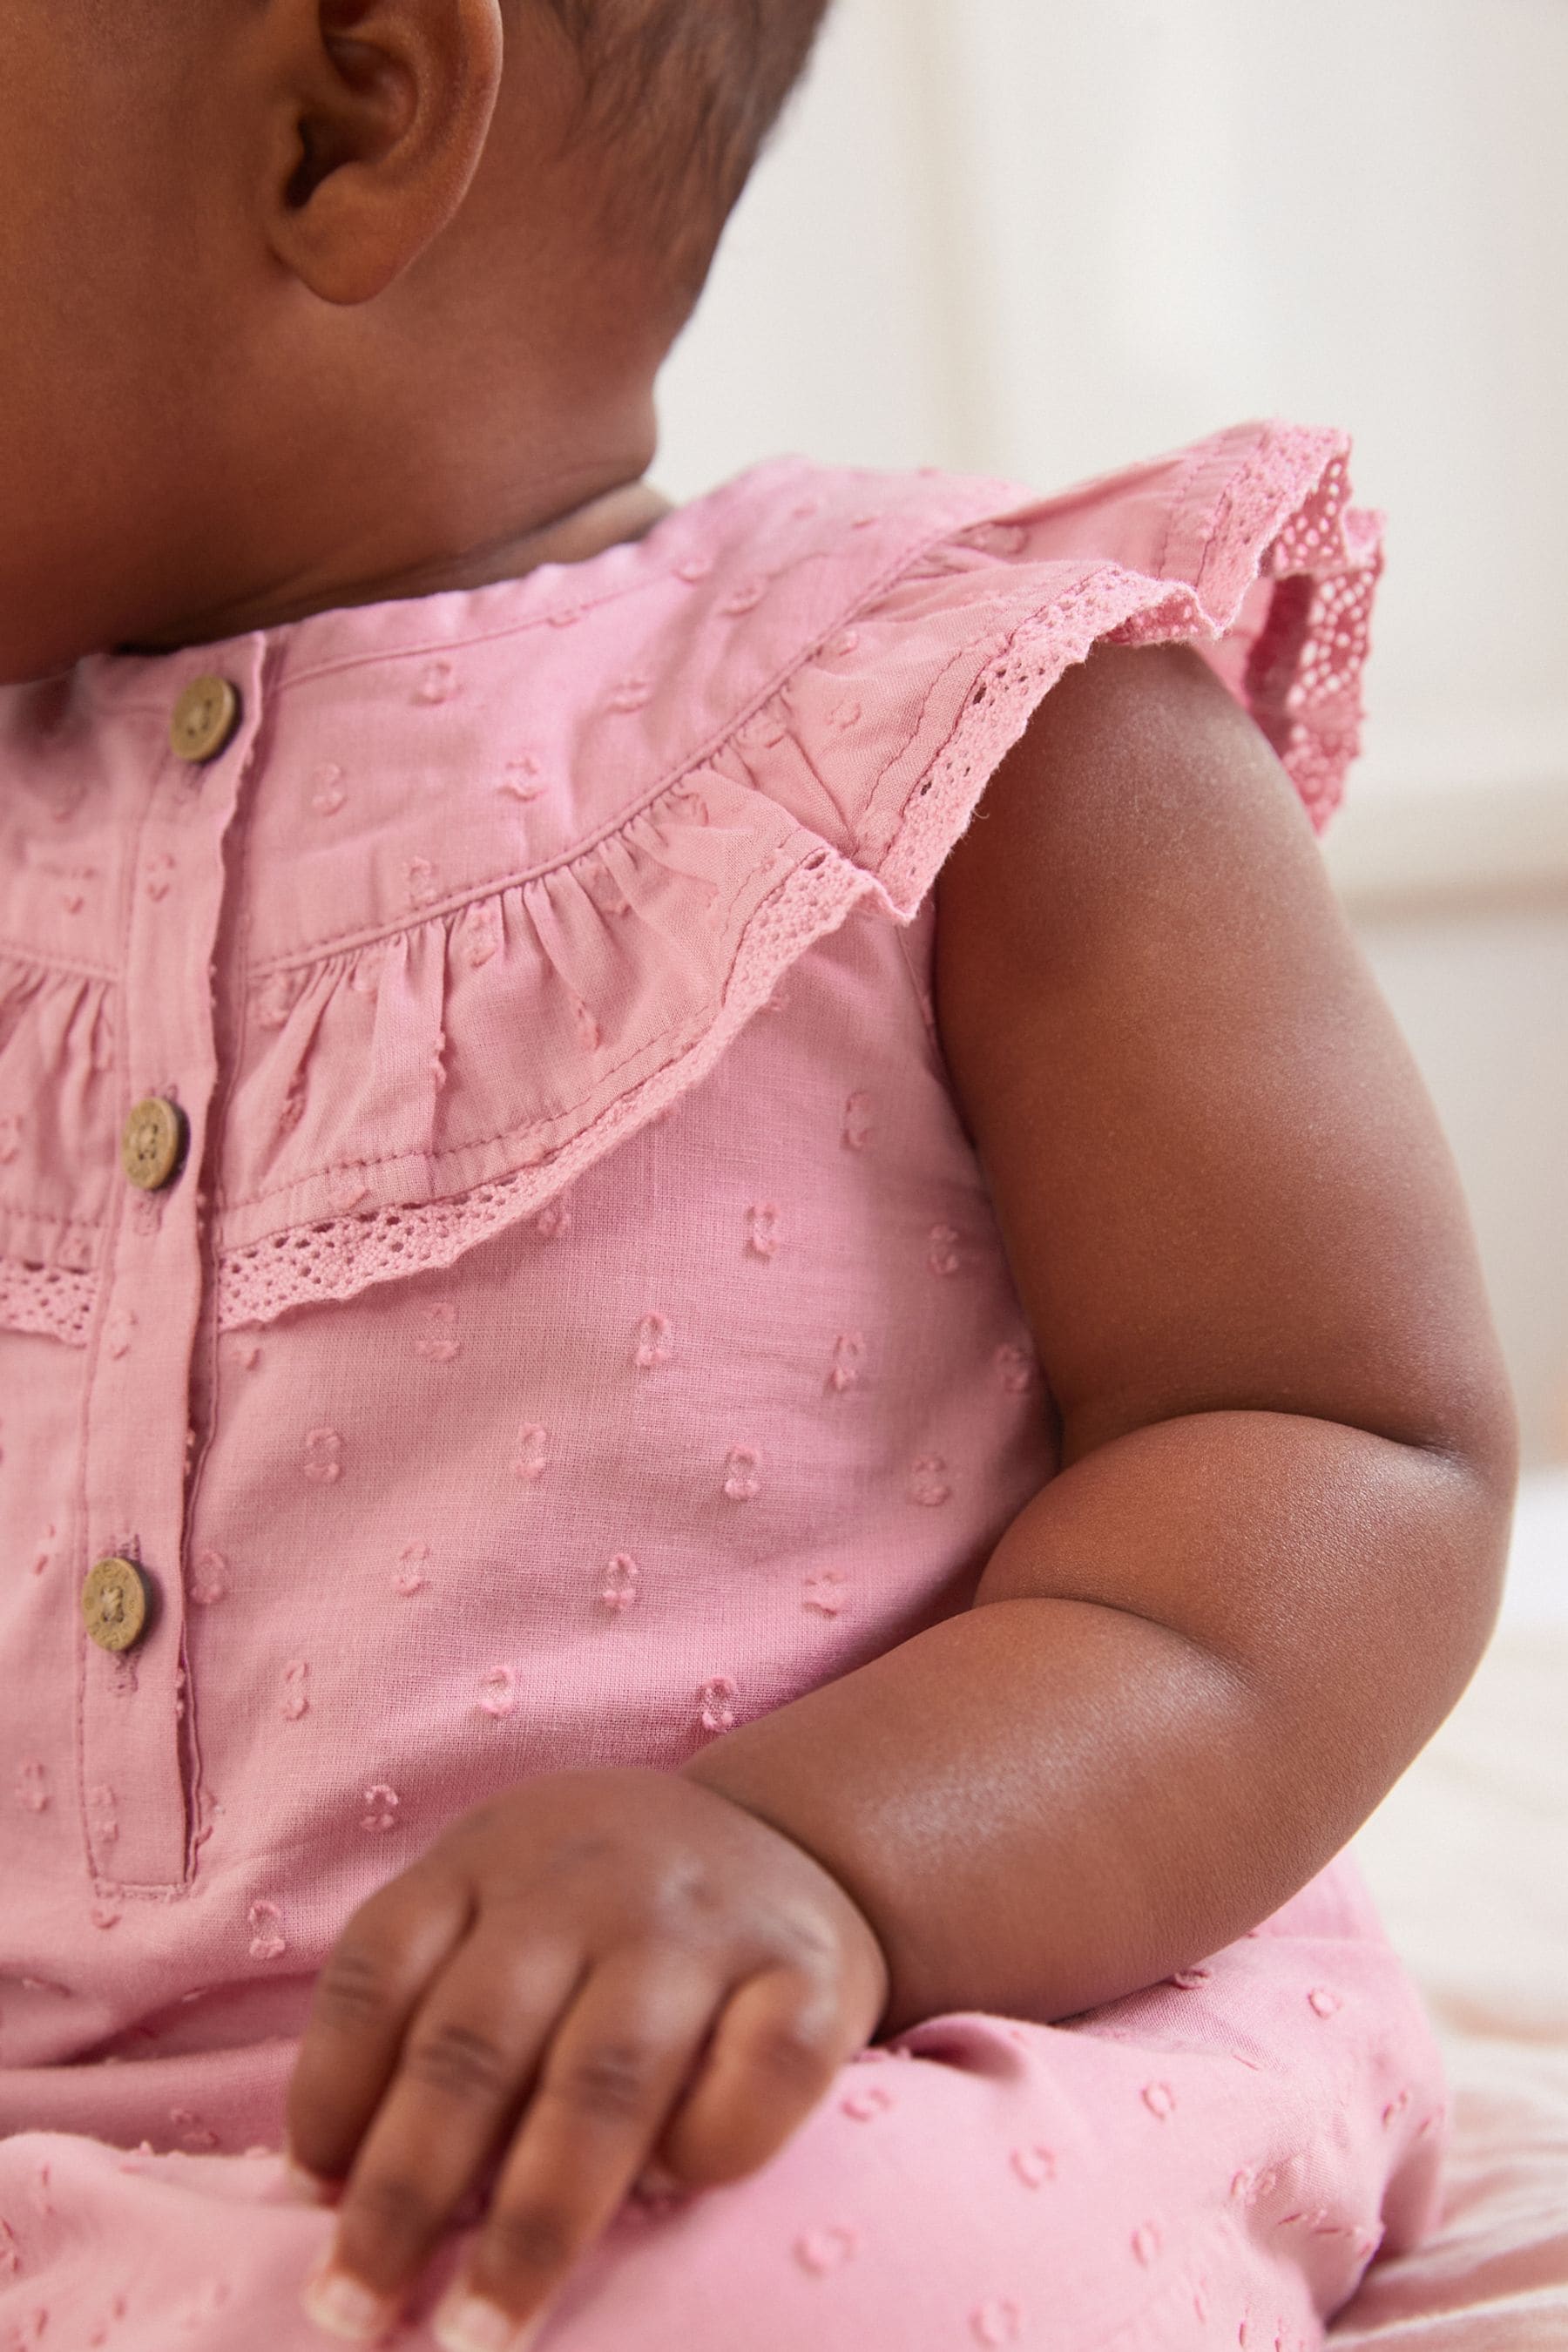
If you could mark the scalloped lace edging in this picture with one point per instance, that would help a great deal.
(344, 1256)
(50, 1300)
(998, 709)
(1304, 671)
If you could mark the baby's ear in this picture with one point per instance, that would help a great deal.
(382, 110)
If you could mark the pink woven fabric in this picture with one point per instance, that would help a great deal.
(582, 1325)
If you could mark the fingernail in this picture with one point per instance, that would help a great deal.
(343, 2307)
(465, 2323)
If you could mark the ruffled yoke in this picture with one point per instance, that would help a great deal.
(507, 869)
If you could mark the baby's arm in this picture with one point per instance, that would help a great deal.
(1196, 1660)
(1272, 1557)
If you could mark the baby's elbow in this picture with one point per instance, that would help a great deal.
(1482, 1424)
(1476, 1462)
(1495, 1462)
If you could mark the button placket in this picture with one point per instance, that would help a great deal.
(151, 1309)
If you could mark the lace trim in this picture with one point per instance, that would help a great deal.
(1311, 539)
(50, 1300)
(1303, 684)
(1303, 674)
(344, 1256)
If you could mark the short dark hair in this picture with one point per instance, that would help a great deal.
(683, 94)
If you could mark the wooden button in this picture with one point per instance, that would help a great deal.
(206, 717)
(116, 1602)
(153, 1143)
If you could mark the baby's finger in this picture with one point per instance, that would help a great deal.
(780, 2042)
(373, 1977)
(469, 2057)
(623, 2055)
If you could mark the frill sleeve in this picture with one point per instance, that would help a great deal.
(1245, 546)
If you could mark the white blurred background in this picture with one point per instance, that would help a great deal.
(1044, 238)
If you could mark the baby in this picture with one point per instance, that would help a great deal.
(745, 1401)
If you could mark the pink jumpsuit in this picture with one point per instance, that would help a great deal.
(579, 1323)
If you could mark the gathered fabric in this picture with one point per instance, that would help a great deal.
(681, 763)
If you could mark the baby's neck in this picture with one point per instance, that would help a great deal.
(626, 511)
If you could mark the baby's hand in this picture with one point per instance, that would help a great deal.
(587, 1968)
